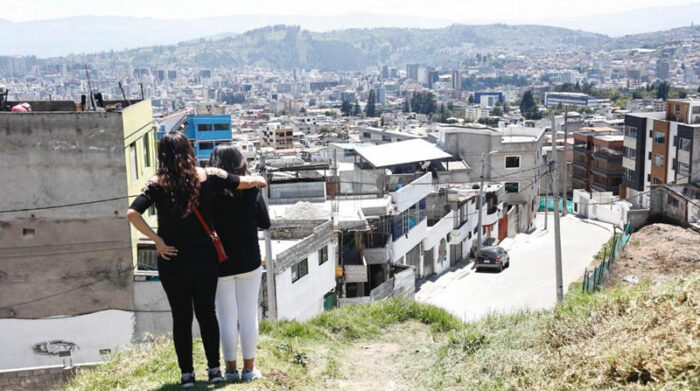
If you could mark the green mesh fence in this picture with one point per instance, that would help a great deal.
(593, 278)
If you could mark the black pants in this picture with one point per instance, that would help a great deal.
(199, 293)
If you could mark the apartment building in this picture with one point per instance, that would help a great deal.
(659, 148)
(597, 160)
(78, 259)
(205, 132)
(278, 136)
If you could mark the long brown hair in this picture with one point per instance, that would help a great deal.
(177, 172)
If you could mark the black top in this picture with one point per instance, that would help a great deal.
(196, 254)
(237, 217)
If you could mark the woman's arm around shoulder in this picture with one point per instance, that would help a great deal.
(234, 182)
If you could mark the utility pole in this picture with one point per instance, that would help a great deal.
(566, 167)
(547, 180)
(557, 232)
(481, 205)
(481, 201)
(270, 264)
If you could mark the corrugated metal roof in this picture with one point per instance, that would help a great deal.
(402, 152)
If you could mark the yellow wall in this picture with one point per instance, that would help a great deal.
(139, 131)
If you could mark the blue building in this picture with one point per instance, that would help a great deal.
(204, 131)
(488, 98)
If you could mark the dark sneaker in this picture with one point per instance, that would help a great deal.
(215, 375)
(187, 380)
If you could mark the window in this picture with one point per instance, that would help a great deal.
(683, 170)
(300, 269)
(512, 161)
(658, 160)
(631, 131)
(220, 126)
(684, 144)
(203, 127)
(206, 145)
(323, 255)
(630, 153)
(512, 187)
(147, 150)
(133, 164)
(696, 109)
(677, 110)
(366, 135)
(659, 138)
(657, 181)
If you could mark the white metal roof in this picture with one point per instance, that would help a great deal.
(402, 152)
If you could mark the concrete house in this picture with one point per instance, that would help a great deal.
(512, 155)
(66, 248)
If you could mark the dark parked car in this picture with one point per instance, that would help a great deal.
(492, 257)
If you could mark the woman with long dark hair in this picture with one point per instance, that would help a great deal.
(187, 259)
(237, 217)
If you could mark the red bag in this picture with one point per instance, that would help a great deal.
(215, 240)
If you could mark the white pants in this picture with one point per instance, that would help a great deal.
(237, 308)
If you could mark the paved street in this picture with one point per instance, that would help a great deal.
(529, 282)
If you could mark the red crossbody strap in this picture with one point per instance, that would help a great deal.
(201, 220)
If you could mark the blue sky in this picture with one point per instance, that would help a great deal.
(509, 11)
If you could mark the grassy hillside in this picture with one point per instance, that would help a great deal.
(626, 337)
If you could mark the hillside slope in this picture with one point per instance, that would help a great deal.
(644, 336)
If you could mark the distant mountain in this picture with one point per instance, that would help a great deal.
(89, 34)
(287, 47)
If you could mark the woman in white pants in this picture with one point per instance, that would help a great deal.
(237, 217)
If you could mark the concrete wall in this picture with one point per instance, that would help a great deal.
(77, 259)
(47, 378)
(37, 342)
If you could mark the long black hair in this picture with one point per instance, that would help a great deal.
(177, 171)
(229, 158)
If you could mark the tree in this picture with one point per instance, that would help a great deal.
(302, 110)
(496, 112)
(698, 89)
(662, 90)
(356, 109)
(528, 106)
(371, 108)
(346, 108)
(471, 98)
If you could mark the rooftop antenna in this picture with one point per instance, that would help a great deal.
(123, 93)
(92, 100)
(142, 96)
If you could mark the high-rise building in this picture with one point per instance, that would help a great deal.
(412, 72)
(385, 72)
(457, 80)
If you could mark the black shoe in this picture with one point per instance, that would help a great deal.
(187, 380)
(215, 375)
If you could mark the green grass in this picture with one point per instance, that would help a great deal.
(641, 337)
(606, 248)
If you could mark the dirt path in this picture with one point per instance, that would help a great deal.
(389, 363)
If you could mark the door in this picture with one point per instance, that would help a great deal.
(428, 262)
(502, 228)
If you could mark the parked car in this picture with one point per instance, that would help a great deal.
(493, 257)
